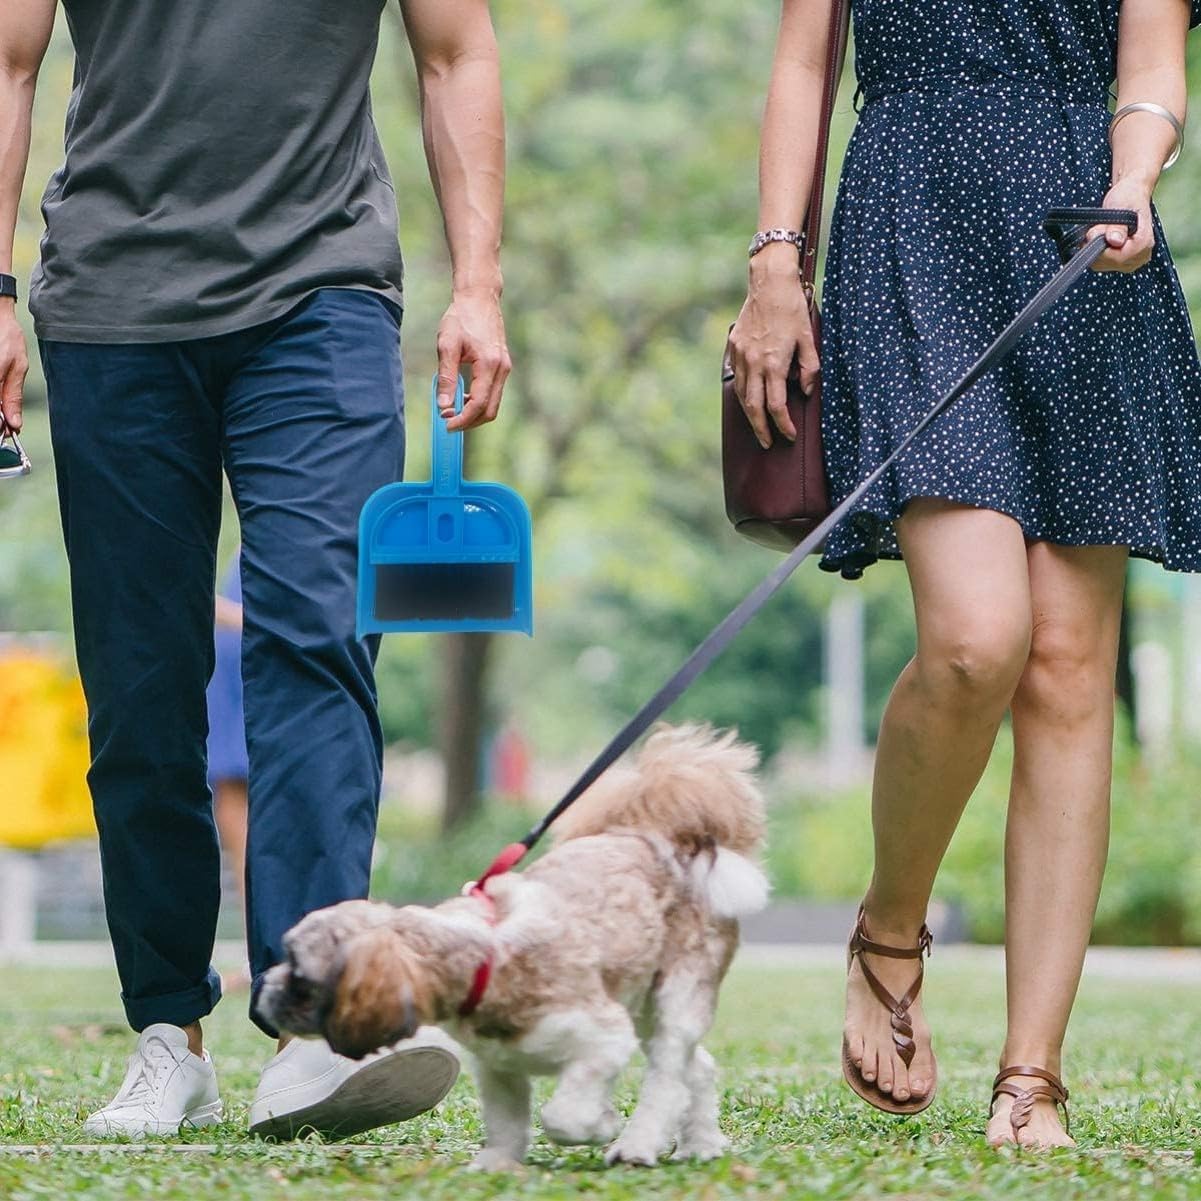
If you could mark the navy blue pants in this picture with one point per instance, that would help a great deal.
(305, 414)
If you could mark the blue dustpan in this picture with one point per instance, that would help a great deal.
(448, 555)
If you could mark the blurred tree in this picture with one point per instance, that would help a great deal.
(632, 192)
(33, 575)
(620, 278)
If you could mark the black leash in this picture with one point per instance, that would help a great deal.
(1068, 227)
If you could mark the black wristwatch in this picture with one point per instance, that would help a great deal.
(8, 286)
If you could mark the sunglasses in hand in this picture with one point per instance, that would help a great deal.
(13, 459)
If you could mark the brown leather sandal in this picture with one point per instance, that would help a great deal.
(1025, 1097)
(902, 1027)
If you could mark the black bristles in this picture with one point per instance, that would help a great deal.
(444, 591)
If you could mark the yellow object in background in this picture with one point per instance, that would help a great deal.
(43, 752)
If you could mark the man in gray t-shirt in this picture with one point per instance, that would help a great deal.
(220, 290)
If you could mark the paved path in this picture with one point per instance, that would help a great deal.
(94, 954)
(1169, 964)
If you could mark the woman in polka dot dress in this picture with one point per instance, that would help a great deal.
(1017, 513)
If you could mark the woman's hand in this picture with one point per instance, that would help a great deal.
(1126, 251)
(772, 330)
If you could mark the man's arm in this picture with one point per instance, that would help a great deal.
(25, 27)
(462, 118)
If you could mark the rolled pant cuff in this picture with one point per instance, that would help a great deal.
(256, 986)
(177, 1008)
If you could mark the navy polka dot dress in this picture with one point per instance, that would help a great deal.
(978, 116)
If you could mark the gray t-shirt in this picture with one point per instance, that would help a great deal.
(222, 163)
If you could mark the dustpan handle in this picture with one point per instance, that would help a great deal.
(447, 463)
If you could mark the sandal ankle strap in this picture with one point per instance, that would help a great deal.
(860, 942)
(1024, 1096)
(1054, 1081)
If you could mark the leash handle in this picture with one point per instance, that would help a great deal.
(1068, 227)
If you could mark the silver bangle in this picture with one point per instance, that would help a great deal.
(1158, 110)
(766, 236)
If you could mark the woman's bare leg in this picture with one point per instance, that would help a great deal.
(969, 575)
(1058, 830)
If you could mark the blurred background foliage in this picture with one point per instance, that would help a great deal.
(632, 191)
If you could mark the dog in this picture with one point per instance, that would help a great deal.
(620, 935)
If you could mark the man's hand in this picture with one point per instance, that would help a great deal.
(472, 332)
(14, 366)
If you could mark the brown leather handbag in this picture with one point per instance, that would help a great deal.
(776, 496)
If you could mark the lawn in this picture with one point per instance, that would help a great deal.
(797, 1133)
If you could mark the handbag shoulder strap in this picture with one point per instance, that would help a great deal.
(835, 52)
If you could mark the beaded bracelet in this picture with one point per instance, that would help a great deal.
(766, 236)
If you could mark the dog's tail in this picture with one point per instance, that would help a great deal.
(697, 789)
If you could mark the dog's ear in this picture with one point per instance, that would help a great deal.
(380, 997)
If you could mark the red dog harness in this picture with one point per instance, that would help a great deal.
(483, 973)
(479, 982)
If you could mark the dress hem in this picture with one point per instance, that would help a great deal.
(870, 525)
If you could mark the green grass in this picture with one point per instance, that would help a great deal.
(797, 1132)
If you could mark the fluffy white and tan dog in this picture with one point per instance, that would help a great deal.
(620, 935)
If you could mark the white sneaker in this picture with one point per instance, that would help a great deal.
(308, 1087)
(165, 1087)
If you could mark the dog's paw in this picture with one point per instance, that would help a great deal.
(494, 1159)
(635, 1150)
(568, 1126)
(701, 1148)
